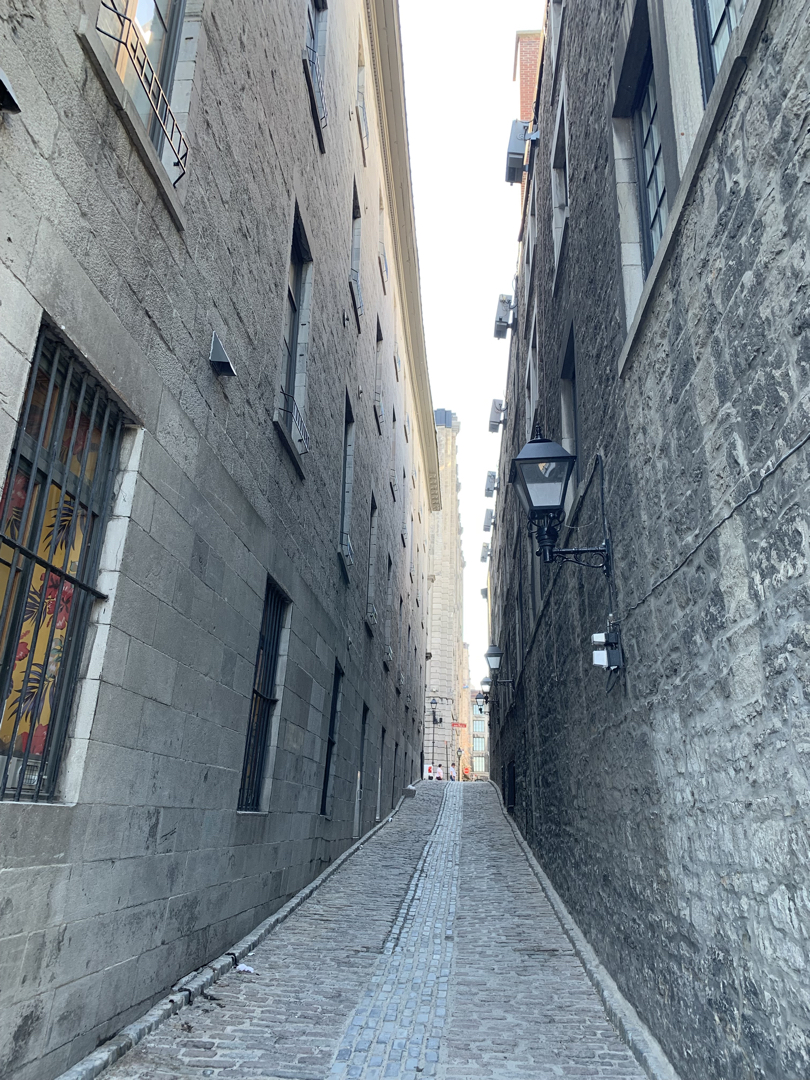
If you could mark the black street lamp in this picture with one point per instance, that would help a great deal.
(433, 704)
(540, 475)
(493, 657)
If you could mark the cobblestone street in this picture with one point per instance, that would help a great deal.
(432, 952)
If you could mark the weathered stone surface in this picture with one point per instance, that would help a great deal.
(671, 814)
(148, 871)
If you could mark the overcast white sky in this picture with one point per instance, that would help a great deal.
(461, 101)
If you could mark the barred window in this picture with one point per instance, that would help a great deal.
(53, 510)
(262, 699)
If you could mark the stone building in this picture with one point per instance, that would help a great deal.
(445, 668)
(662, 332)
(220, 458)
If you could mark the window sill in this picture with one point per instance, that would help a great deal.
(313, 104)
(122, 103)
(287, 442)
(743, 42)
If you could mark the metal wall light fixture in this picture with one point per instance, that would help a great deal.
(540, 475)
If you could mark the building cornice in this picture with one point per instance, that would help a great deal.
(385, 45)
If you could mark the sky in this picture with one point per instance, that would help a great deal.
(461, 100)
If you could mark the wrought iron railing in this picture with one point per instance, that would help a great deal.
(296, 420)
(362, 117)
(311, 57)
(129, 37)
(354, 282)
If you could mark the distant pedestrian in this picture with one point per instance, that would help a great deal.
(430, 772)
(452, 772)
(439, 773)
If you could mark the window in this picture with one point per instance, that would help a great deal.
(531, 382)
(652, 188)
(478, 727)
(388, 652)
(479, 764)
(394, 781)
(715, 21)
(379, 406)
(569, 416)
(371, 610)
(53, 510)
(379, 775)
(478, 744)
(362, 117)
(556, 11)
(142, 38)
(354, 271)
(382, 258)
(559, 177)
(263, 697)
(347, 485)
(314, 56)
(331, 741)
(358, 802)
(296, 335)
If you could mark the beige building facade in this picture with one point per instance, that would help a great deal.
(448, 667)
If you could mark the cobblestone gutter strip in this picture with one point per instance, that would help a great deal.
(637, 1036)
(192, 985)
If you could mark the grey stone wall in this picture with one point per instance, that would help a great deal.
(671, 813)
(142, 869)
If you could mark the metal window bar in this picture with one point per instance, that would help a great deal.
(354, 281)
(371, 614)
(57, 496)
(295, 419)
(362, 118)
(346, 548)
(129, 37)
(262, 700)
(383, 262)
(311, 56)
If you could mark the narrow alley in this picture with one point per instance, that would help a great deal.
(433, 951)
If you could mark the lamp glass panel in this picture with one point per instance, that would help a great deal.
(545, 483)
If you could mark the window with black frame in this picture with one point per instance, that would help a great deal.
(262, 699)
(53, 511)
(716, 20)
(652, 186)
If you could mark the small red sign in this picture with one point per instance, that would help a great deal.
(454, 724)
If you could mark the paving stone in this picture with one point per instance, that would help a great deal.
(432, 952)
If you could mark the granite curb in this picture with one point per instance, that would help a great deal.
(643, 1045)
(196, 982)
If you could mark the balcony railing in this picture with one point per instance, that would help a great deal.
(357, 292)
(312, 60)
(346, 548)
(112, 24)
(294, 419)
(362, 118)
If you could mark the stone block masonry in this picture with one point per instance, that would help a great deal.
(142, 867)
(671, 813)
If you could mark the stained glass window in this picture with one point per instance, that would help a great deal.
(53, 509)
